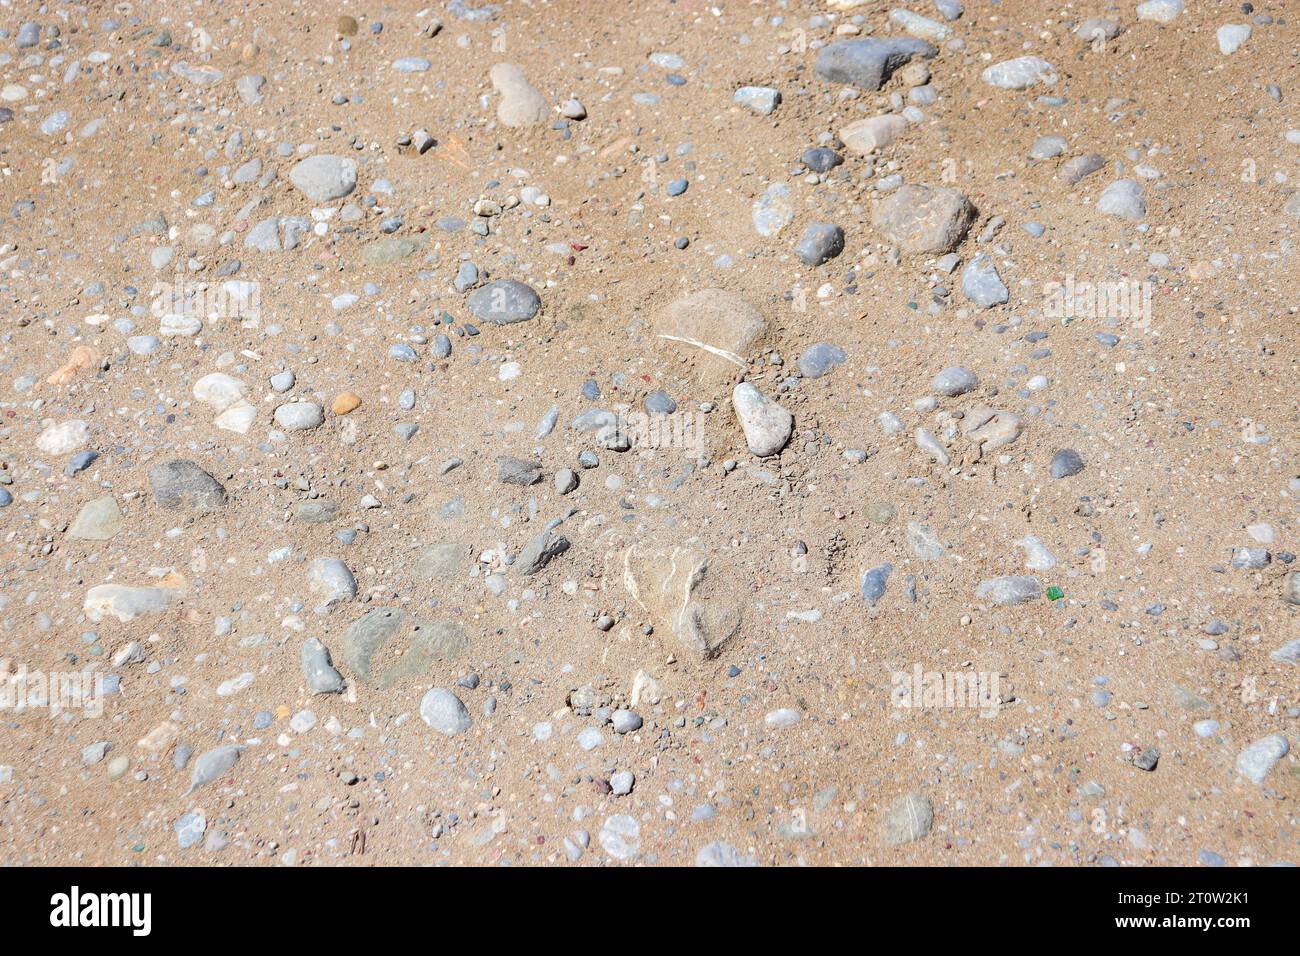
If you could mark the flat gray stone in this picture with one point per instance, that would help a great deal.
(181, 484)
(869, 62)
(443, 711)
(324, 177)
(504, 302)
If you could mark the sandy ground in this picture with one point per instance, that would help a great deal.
(786, 745)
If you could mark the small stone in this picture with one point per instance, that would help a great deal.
(1256, 761)
(323, 178)
(767, 425)
(869, 62)
(443, 711)
(318, 670)
(1020, 73)
(954, 381)
(345, 402)
(504, 302)
(1122, 198)
(181, 484)
(98, 520)
(1066, 463)
(761, 99)
(1012, 589)
(299, 416)
(818, 360)
(924, 219)
(981, 284)
(908, 818)
(822, 241)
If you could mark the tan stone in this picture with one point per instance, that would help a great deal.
(717, 329)
(680, 594)
(345, 403)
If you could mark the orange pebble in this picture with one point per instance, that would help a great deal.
(346, 403)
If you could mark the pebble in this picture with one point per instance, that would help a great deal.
(1257, 760)
(822, 241)
(761, 99)
(444, 712)
(299, 416)
(869, 62)
(954, 381)
(324, 178)
(1020, 73)
(767, 426)
(1122, 198)
(504, 302)
(1066, 463)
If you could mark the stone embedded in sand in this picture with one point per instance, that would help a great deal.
(1160, 11)
(345, 402)
(981, 284)
(924, 219)
(1020, 73)
(318, 670)
(717, 328)
(919, 26)
(869, 62)
(386, 645)
(198, 75)
(675, 587)
(954, 381)
(766, 424)
(773, 210)
(521, 105)
(441, 561)
(908, 818)
(1256, 761)
(64, 437)
(81, 357)
(330, 580)
(125, 603)
(761, 99)
(1122, 198)
(539, 551)
(1291, 590)
(443, 711)
(250, 87)
(180, 484)
(323, 178)
(504, 302)
(98, 520)
(1094, 29)
(214, 763)
(821, 242)
(990, 429)
(227, 396)
(299, 416)
(1075, 169)
(865, 136)
(875, 581)
(1010, 589)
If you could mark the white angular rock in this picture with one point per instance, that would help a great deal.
(1020, 73)
(125, 603)
(64, 437)
(443, 711)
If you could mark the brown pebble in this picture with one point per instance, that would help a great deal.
(345, 403)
